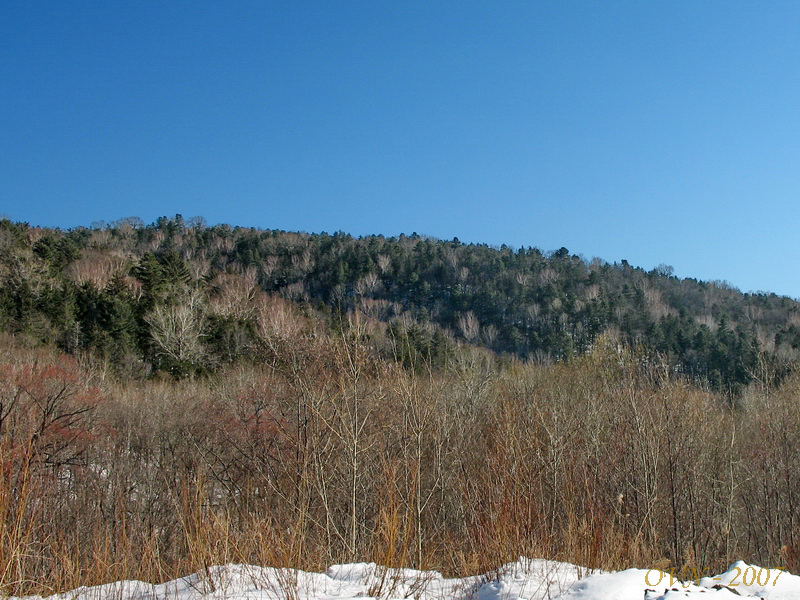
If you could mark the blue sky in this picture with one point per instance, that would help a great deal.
(653, 132)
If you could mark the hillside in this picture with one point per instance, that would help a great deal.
(118, 290)
(175, 396)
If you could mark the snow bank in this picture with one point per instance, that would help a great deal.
(523, 580)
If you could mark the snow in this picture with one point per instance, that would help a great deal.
(526, 579)
(777, 586)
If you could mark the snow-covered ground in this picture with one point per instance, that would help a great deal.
(523, 580)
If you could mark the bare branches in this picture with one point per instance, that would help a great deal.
(176, 331)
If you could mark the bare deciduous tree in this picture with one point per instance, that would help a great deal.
(177, 330)
(469, 326)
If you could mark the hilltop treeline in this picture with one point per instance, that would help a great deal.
(180, 296)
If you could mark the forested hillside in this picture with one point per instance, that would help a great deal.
(175, 396)
(182, 297)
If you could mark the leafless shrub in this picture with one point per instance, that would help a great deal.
(97, 267)
(234, 295)
(384, 262)
(177, 330)
(367, 284)
(469, 326)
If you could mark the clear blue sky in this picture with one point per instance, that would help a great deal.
(657, 132)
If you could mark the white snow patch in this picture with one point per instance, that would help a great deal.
(526, 579)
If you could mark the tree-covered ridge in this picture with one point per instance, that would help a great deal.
(181, 296)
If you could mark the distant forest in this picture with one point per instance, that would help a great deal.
(181, 297)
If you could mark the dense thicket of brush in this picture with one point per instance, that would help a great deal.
(323, 451)
(182, 297)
